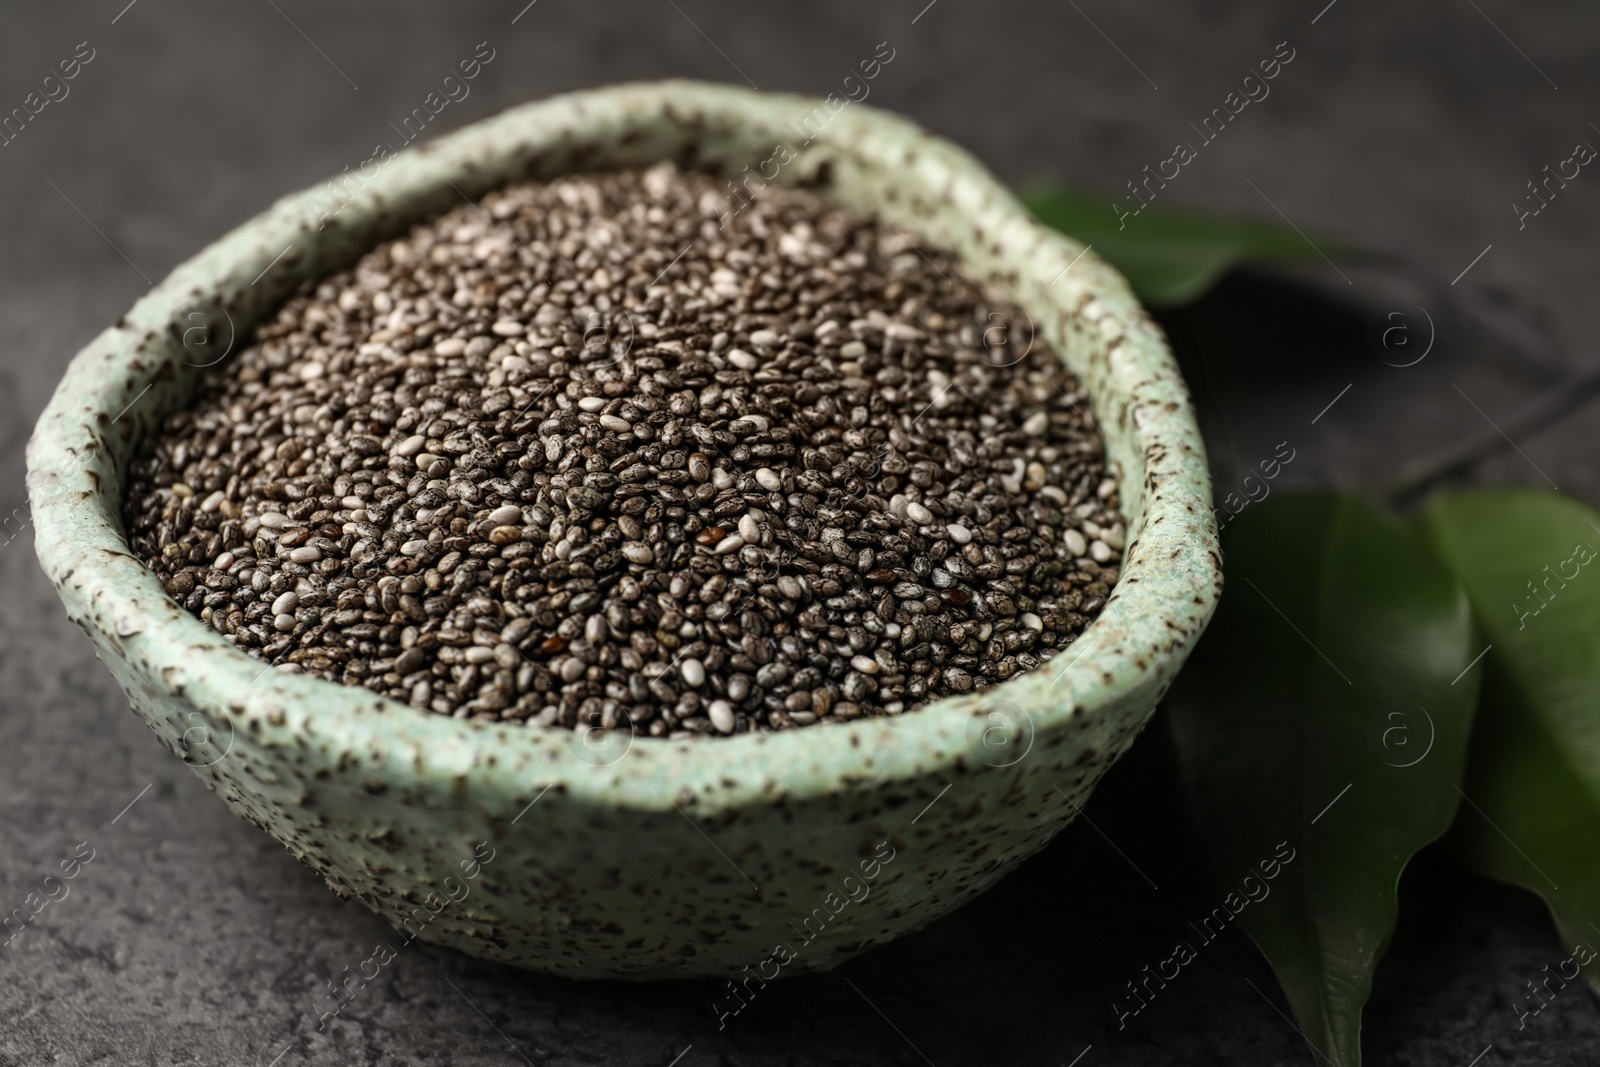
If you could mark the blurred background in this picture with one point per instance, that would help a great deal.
(1409, 132)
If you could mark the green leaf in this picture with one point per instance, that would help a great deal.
(1527, 560)
(1169, 257)
(1318, 715)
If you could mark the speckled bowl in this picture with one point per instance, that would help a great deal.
(603, 857)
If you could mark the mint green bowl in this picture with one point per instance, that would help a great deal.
(606, 856)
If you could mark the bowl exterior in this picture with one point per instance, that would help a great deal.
(594, 855)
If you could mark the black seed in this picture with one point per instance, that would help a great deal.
(638, 519)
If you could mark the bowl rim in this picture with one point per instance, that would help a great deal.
(1167, 589)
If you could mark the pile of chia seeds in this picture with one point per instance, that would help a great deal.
(577, 455)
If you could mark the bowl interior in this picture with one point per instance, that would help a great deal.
(123, 382)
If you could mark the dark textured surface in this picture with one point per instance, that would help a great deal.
(193, 938)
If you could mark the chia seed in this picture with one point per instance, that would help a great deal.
(574, 455)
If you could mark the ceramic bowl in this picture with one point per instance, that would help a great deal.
(603, 855)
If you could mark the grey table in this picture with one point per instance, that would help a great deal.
(192, 938)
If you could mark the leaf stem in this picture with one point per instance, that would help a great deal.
(1539, 415)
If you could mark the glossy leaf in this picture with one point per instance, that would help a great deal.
(1169, 257)
(1528, 560)
(1318, 717)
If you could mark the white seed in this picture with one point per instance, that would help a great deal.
(283, 623)
(768, 479)
(286, 603)
(764, 337)
(1101, 552)
(352, 503)
(414, 547)
(918, 514)
(1032, 621)
(223, 562)
(450, 346)
(749, 529)
(864, 664)
(213, 502)
(1113, 537)
(572, 668)
(274, 520)
(305, 554)
(959, 533)
(742, 359)
(721, 714)
(507, 328)
(592, 404)
(637, 552)
(507, 515)
(410, 446)
(1075, 542)
(478, 654)
(731, 543)
(615, 424)
(1036, 424)
(694, 672)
